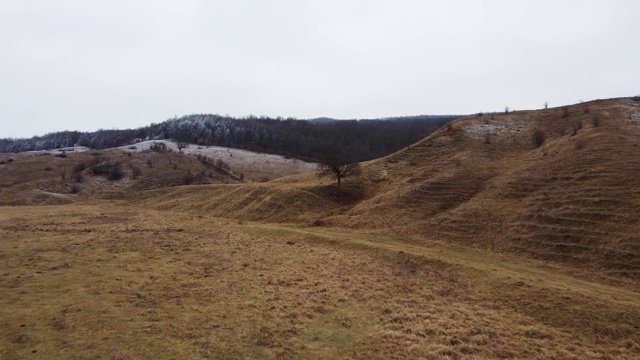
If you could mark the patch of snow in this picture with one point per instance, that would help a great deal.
(478, 129)
(257, 166)
(61, 150)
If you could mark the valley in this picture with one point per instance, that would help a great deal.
(499, 236)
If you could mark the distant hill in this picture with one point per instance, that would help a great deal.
(356, 140)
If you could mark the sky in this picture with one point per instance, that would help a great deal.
(92, 64)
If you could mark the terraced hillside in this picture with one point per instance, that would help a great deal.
(570, 196)
(479, 242)
(575, 198)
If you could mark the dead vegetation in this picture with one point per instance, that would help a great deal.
(456, 247)
(154, 284)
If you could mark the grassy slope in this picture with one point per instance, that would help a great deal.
(573, 201)
(32, 179)
(113, 281)
(471, 250)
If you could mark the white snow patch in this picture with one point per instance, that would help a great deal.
(478, 129)
(255, 166)
(61, 150)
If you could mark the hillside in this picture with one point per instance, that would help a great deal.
(252, 165)
(461, 246)
(571, 199)
(50, 178)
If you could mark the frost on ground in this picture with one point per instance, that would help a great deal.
(496, 128)
(61, 150)
(255, 166)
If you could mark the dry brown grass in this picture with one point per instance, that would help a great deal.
(32, 179)
(472, 250)
(119, 282)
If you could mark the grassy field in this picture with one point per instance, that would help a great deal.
(112, 281)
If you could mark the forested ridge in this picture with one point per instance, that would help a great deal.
(355, 140)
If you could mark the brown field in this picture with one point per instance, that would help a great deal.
(112, 281)
(461, 246)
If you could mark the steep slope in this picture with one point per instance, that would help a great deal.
(574, 199)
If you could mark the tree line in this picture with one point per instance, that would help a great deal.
(356, 140)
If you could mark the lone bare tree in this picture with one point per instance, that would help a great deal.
(181, 144)
(333, 165)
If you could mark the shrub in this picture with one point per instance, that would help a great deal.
(580, 144)
(565, 112)
(132, 148)
(596, 120)
(79, 168)
(61, 155)
(538, 137)
(577, 125)
(149, 163)
(188, 178)
(112, 172)
(159, 147)
(48, 168)
(136, 171)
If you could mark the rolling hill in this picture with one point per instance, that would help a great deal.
(501, 236)
(572, 198)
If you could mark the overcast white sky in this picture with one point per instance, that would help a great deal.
(89, 64)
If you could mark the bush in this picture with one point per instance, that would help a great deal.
(579, 144)
(596, 120)
(577, 125)
(79, 168)
(112, 172)
(565, 112)
(538, 137)
(159, 147)
(136, 172)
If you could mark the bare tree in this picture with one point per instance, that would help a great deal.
(332, 165)
(181, 144)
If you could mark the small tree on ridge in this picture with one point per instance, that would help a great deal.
(333, 165)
